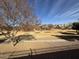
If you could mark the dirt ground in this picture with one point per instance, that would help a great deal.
(33, 40)
(47, 33)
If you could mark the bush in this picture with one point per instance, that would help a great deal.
(75, 26)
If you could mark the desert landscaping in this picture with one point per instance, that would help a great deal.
(39, 28)
(39, 40)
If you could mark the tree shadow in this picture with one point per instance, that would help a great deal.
(2, 40)
(23, 37)
(67, 33)
(18, 38)
(68, 36)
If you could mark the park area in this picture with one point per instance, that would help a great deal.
(39, 28)
(39, 42)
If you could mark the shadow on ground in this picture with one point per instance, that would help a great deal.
(70, 54)
(23, 37)
(68, 36)
(18, 38)
(67, 33)
(2, 40)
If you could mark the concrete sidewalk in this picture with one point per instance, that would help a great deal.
(24, 48)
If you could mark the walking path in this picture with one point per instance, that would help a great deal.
(33, 47)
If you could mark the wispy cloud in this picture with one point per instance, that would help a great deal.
(55, 10)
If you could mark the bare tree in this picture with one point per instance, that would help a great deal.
(16, 14)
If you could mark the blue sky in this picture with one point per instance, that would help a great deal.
(56, 11)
